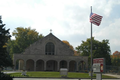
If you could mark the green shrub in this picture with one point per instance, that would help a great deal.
(5, 77)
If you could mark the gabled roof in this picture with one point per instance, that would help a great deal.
(40, 44)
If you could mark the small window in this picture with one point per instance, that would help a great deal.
(49, 48)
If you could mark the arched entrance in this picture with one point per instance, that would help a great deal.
(72, 66)
(40, 65)
(82, 65)
(30, 65)
(63, 64)
(51, 65)
(20, 64)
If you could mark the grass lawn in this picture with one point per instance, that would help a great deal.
(56, 75)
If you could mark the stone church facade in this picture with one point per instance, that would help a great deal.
(49, 54)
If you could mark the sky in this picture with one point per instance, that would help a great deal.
(68, 19)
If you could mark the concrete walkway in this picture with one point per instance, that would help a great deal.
(114, 75)
(11, 72)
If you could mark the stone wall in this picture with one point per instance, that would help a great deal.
(62, 55)
(39, 46)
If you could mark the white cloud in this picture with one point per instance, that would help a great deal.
(69, 19)
(111, 33)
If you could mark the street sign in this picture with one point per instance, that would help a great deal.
(98, 64)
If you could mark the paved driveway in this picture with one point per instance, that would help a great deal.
(117, 76)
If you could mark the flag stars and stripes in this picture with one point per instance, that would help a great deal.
(95, 19)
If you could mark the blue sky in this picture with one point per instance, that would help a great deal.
(68, 19)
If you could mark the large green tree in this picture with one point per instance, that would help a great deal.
(100, 49)
(5, 59)
(23, 38)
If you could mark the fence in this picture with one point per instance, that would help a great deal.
(113, 69)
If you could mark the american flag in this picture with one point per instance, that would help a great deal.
(95, 19)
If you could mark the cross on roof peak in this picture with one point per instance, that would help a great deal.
(50, 30)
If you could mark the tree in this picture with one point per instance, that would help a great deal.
(11, 47)
(116, 54)
(5, 59)
(66, 42)
(115, 61)
(99, 49)
(76, 53)
(115, 58)
(23, 38)
(71, 47)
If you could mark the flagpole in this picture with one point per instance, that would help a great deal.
(91, 46)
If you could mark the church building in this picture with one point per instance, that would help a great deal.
(49, 54)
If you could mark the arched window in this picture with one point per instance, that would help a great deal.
(49, 48)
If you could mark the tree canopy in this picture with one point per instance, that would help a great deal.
(116, 54)
(115, 58)
(23, 38)
(5, 59)
(99, 49)
(66, 42)
(71, 47)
